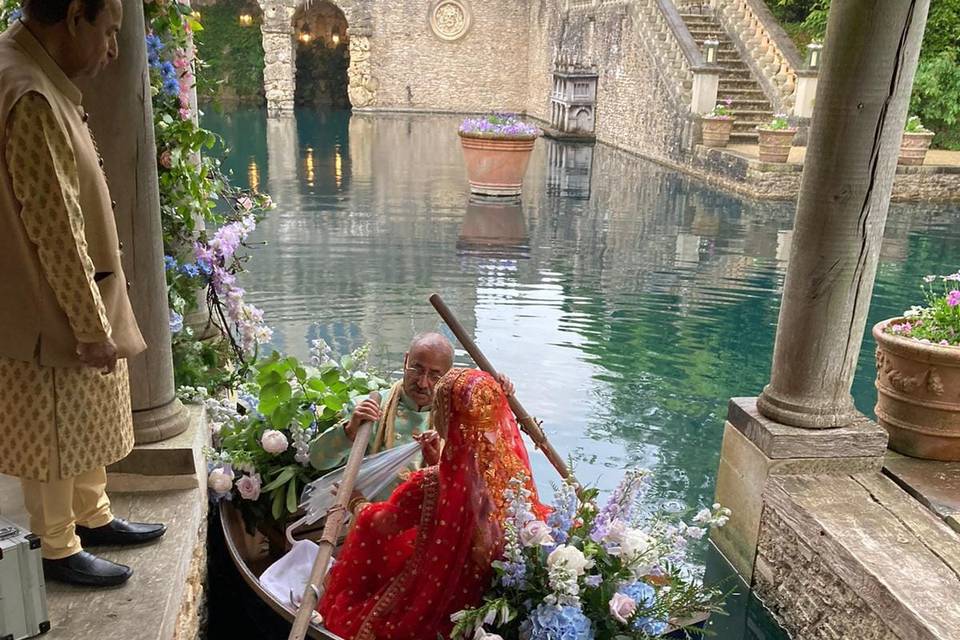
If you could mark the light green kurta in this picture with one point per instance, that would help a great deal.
(330, 449)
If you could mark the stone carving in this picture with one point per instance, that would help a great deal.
(363, 85)
(450, 19)
(905, 383)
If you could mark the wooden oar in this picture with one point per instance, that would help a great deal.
(530, 426)
(331, 530)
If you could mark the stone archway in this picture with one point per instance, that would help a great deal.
(279, 73)
(321, 55)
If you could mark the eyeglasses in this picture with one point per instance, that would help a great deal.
(418, 372)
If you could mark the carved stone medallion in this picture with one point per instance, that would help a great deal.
(450, 19)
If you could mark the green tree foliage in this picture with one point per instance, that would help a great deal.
(936, 89)
(232, 53)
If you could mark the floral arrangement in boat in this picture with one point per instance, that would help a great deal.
(497, 150)
(918, 366)
(915, 143)
(594, 574)
(717, 125)
(775, 139)
(260, 455)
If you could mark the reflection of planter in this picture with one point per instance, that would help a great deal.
(495, 228)
(495, 166)
(716, 131)
(775, 144)
(916, 395)
(913, 148)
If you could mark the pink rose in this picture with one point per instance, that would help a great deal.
(246, 203)
(536, 533)
(622, 607)
(166, 159)
(249, 487)
(220, 480)
(274, 441)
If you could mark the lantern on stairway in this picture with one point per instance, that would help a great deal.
(814, 49)
(710, 47)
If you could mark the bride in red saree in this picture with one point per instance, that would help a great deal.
(411, 562)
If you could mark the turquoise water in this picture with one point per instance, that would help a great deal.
(628, 302)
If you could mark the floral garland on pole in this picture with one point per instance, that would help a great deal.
(194, 195)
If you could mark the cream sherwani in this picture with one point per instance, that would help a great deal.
(60, 422)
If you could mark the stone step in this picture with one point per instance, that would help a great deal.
(744, 105)
(867, 548)
(743, 137)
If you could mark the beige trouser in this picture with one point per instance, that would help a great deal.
(57, 506)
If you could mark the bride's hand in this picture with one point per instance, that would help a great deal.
(431, 445)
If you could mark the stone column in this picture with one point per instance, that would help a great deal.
(121, 118)
(280, 63)
(870, 58)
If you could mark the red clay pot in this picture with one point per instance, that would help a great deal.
(496, 166)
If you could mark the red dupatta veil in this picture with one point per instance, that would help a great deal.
(426, 553)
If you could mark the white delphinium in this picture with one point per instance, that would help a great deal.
(565, 565)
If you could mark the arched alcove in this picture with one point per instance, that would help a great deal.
(322, 56)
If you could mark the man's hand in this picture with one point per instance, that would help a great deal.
(506, 384)
(99, 355)
(431, 445)
(366, 411)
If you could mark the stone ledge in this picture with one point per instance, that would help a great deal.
(177, 463)
(164, 599)
(865, 439)
(936, 485)
(862, 550)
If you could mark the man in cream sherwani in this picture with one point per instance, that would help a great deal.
(66, 325)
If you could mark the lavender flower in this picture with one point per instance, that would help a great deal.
(499, 125)
(565, 509)
(176, 322)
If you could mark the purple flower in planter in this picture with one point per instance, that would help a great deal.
(499, 125)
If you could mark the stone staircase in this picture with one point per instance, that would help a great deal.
(750, 105)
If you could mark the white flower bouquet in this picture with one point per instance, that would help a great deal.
(615, 573)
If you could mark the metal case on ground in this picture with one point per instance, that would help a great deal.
(23, 595)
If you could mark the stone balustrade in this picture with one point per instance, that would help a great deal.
(770, 53)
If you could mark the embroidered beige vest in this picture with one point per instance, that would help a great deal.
(32, 324)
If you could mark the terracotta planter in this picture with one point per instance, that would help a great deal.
(495, 166)
(775, 144)
(913, 148)
(918, 401)
(716, 131)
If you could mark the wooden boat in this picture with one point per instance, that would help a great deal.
(251, 555)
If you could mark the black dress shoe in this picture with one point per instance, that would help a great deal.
(119, 532)
(87, 570)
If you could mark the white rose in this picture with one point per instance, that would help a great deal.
(635, 543)
(570, 557)
(536, 533)
(614, 536)
(622, 607)
(249, 487)
(274, 442)
(220, 481)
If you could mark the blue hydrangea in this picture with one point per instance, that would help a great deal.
(190, 270)
(15, 15)
(154, 47)
(645, 596)
(176, 322)
(169, 263)
(205, 267)
(171, 86)
(552, 622)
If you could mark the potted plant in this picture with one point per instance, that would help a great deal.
(916, 141)
(497, 151)
(587, 572)
(918, 374)
(775, 139)
(718, 124)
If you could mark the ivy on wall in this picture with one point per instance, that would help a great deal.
(232, 53)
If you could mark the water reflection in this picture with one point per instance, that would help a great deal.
(570, 169)
(627, 316)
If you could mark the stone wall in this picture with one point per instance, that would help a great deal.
(636, 110)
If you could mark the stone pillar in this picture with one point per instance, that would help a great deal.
(121, 118)
(706, 81)
(861, 105)
(280, 63)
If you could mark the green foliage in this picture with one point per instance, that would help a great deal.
(778, 123)
(936, 88)
(232, 53)
(939, 321)
(914, 125)
(300, 401)
(722, 110)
